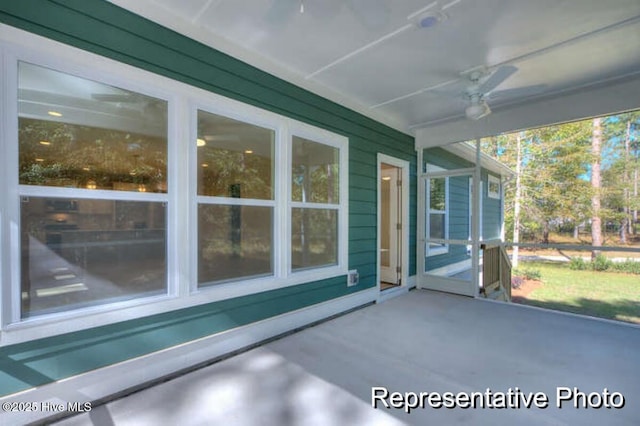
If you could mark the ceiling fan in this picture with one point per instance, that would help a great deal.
(482, 85)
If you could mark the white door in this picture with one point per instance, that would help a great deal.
(390, 225)
(393, 222)
(445, 200)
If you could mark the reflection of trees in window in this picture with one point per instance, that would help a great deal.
(226, 173)
(315, 176)
(235, 159)
(437, 194)
(437, 212)
(234, 241)
(314, 180)
(62, 154)
(314, 239)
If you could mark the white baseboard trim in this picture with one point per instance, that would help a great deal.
(118, 378)
(412, 281)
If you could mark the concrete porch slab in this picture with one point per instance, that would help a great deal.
(419, 342)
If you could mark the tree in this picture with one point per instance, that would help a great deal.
(517, 198)
(596, 222)
(622, 180)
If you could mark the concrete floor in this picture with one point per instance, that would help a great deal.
(422, 342)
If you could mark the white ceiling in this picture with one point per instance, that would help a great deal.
(367, 54)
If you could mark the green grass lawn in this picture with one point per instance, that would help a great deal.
(599, 294)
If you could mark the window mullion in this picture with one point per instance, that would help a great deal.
(180, 210)
(282, 224)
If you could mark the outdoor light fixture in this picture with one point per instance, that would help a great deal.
(477, 109)
(248, 151)
(201, 142)
(429, 16)
(429, 20)
(46, 143)
(54, 113)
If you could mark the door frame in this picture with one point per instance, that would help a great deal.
(428, 281)
(403, 165)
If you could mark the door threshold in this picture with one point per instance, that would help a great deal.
(392, 292)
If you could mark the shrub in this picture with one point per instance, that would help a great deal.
(578, 264)
(516, 282)
(601, 263)
(629, 266)
(528, 274)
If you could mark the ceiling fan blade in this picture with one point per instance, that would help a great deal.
(519, 92)
(497, 77)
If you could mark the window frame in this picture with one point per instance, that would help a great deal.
(444, 248)
(181, 197)
(341, 143)
(252, 116)
(60, 59)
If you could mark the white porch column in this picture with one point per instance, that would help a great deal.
(475, 224)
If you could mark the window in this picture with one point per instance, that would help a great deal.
(494, 187)
(93, 183)
(236, 166)
(315, 196)
(437, 219)
(133, 194)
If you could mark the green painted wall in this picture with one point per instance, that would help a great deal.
(491, 212)
(100, 27)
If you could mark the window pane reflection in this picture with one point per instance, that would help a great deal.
(79, 133)
(436, 225)
(314, 239)
(235, 159)
(315, 174)
(79, 253)
(234, 242)
(437, 200)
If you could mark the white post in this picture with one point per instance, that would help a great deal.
(422, 217)
(475, 224)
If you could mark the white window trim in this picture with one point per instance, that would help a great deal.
(492, 194)
(251, 116)
(444, 249)
(18, 45)
(341, 143)
(428, 251)
(471, 208)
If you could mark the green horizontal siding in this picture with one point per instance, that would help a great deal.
(105, 29)
(491, 212)
(38, 362)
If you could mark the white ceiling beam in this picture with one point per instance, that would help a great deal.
(360, 50)
(388, 36)
(603, 99)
